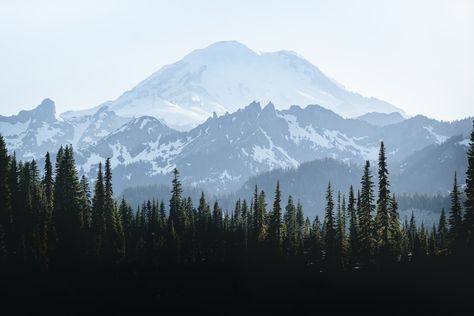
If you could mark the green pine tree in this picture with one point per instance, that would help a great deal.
(330, 230)
(366, 232)
(274, 227)
(455, 219)
(382, 217)
(443, 232)
(353, 229)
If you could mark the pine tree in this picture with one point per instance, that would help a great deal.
(341, 246)
(353, 228)
(177, 216)
(274, 229)
(113, 229)
(395, 231)
(382, 217)
(126, 216)
(67, 211)
(290, 227)
(442, 233)
(412, 233)
(432, 244)
(330, 230)
(260, 218)
(203, 226)
(48, 181)
(299, 228)
(469, 202)
(365, 216)
(316, 240)
(98, 214)
(455, 220)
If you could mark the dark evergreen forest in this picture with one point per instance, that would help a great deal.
(63, 243)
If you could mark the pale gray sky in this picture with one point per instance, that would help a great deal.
(418, 55)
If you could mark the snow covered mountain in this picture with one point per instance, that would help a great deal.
(32, 133)
(224, 151)
(226, 75)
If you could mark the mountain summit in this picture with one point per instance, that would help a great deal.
(225, 75)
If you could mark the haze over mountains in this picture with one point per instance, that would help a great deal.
(234, 139)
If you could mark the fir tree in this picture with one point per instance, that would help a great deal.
(365, 216)
(353, 228)
(455, 219)
(395, 232)
(290, 227)
(260, 217)
(442, 233)
(329, 230)
(382, 217)
(432, 244)
(98, 213)
(300, 222)
(274, 229)
(412, 233)
(316, 240)
(177, 216)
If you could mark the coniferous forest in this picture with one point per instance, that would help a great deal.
(64, 241)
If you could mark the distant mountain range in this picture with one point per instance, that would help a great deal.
(227, 75)
(222, 153)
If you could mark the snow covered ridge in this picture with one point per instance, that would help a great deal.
(227, 75)
(224, 151)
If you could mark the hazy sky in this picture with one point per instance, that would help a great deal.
(418, 55)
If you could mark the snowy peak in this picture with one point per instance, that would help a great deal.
(223, 51)
(224, 76)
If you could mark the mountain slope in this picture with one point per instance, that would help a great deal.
(381, 119)
(226, 75)
(32, 133)
(223, 152)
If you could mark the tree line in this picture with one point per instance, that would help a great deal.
(56, 218)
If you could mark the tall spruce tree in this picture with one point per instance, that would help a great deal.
(300, 223)
(330, 230)
(290, 227)
(260, 217)
(177, 217)
(113, 226)
(353, 228)
(455, 219)
(382, 217)
(274, 228)
(98, 214)
(443, 232)
(366, 232)
(341, 242)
